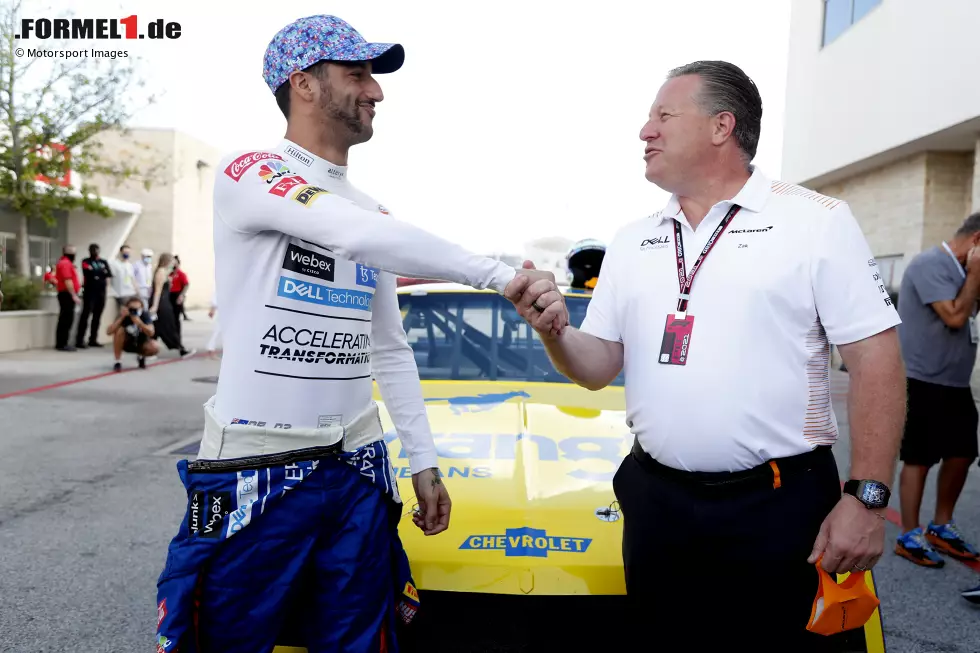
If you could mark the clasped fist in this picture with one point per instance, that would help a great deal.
(538, 300)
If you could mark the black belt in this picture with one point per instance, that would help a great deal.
(772, 473)
(265, 460)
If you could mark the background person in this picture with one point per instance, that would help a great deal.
(123, 277)
(731, 482)
(144, 275)
(133, 332)
(95, 273)
(68, 299)
(50, 279)
(178, 291)
(162, 308)
(938, 306)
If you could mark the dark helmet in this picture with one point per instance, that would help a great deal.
(584, 260)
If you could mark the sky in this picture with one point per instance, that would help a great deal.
(509, 121)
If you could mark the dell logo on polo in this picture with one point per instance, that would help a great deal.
(660, 242)
(304, 261)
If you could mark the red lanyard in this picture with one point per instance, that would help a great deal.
(684, 281)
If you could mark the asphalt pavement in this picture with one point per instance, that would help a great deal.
(89, 499)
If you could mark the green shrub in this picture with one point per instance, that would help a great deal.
(20, 294)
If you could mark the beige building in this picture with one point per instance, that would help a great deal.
(174, 215)
(882, 111)
(176, 211)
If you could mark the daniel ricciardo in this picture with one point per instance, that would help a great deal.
(290, 530)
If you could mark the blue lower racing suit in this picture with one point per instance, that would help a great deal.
(274, 550)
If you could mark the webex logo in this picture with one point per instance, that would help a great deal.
(304, 261)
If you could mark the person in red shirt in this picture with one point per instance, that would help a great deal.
(50, 280)
(66, 276)
(178, 291)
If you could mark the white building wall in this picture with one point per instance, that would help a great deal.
(193, 234)
(903, 72)
(109, 233)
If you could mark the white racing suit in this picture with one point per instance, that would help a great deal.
(290, 531)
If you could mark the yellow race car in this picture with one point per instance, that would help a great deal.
(532, 560)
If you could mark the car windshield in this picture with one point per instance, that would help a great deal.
(479, 336)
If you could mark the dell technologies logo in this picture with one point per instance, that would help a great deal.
(655, 243)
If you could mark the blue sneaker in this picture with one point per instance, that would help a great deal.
(913, 546)
(947, 539)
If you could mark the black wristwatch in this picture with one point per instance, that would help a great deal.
(873, 494)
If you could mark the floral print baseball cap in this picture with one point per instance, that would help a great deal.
(308, 40)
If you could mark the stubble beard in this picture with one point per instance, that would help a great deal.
(346, 121)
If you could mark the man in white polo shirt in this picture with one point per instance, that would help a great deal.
(722, 307)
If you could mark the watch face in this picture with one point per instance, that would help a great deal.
(873, 493)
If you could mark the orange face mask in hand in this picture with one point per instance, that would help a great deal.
(844, 606)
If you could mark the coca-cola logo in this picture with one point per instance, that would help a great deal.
(239, 166)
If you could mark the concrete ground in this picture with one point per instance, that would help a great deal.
(89, 499)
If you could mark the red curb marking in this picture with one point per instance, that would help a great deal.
(62, 384)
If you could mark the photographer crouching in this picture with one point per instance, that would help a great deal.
(133, 332)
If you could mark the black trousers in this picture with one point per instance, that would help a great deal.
(92, 305)
(724, 566)
(66, 316)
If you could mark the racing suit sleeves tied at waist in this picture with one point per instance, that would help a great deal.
(294, 526)
(222, 441)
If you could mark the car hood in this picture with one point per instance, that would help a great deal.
(529, 469)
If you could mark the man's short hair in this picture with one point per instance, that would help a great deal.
(970, 226)
(725, 87)
(282, 93)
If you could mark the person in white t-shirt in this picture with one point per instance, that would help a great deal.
(731, 494)
(143, 269)
(123, 279)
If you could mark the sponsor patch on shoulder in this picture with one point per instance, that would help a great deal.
(240, 166)
(286, 184)
(307, 194)
(270, 171)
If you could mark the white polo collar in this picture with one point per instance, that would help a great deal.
(311, 162)
(752, 197)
